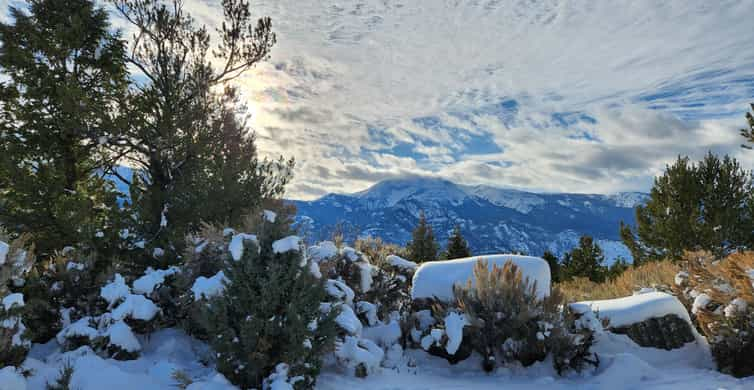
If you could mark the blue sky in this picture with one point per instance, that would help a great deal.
(544, 95)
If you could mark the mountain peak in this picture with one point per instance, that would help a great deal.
(424, 188)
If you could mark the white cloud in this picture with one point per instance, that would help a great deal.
(347, 80)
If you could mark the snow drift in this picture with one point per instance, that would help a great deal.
(437, 278)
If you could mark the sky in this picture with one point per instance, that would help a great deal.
(588, 96)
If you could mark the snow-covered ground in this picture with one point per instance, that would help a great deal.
(624, 365)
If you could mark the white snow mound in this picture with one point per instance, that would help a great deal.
(633, 309)
(399, 262)
(437, 278)
(287, 244)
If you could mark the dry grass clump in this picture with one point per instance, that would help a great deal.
(656, 274)
(721, 296)
(377, 250)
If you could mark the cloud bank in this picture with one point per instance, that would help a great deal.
(546, 95)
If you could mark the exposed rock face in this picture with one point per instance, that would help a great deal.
(668, 332)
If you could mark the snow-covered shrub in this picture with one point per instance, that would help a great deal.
(269, 313)
(112, 330)
(501, 315)
(382, 289)
(721, 296)
(15, 262)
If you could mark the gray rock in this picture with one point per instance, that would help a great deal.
(668, 332)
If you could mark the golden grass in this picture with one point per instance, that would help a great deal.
(723, 281)
(656, 274)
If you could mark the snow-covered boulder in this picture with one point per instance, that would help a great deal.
(653, 319)
(435, 279)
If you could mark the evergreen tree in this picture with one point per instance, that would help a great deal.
(705, 206)
(172, 137)
(552, 261)
(585, 261)
(269, 314)
(234, 181)
(457, 246)
(422, 246)
(65, 75)
(748, 131)
(617, 268)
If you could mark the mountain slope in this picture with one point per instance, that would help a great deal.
(493, 220)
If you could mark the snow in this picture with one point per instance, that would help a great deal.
(523, 202)
(348, 320)
(121, 335)
(287, 244)
(209, 287)
(15, 299)
(339, 290)
(322, 251)
(10, 379)
(353, 351)
(384, 335)
(735, 306)
(636, 308)
(700, 302)
(137, 307)
(681, 277)
(365, 271)
(437, 278)
(314, 270)
(80, 328)
(269, 216)
(278, 380)
(624, 366)
(399, 262)
(350, 254)
(72, 265)
(4, 248)
(454, 324)
(115, 290)
(369, 310)
(164, 217)
(236, 244)
(151, 279)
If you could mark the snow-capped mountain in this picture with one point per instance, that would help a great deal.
(492, 219)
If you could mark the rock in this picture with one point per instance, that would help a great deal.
(668, 332)
(463, 352)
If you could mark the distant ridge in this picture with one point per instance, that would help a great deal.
(492, 219)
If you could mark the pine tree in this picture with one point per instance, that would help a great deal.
(584, 261)
(171, 138)
(65, 74)
(269, 314)
(234, 181)
(457, 246)
(422, 246)
(552, 261)
(619, 266)
(748, 131)
(707, 206)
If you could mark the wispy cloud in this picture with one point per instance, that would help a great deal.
(554, 95)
